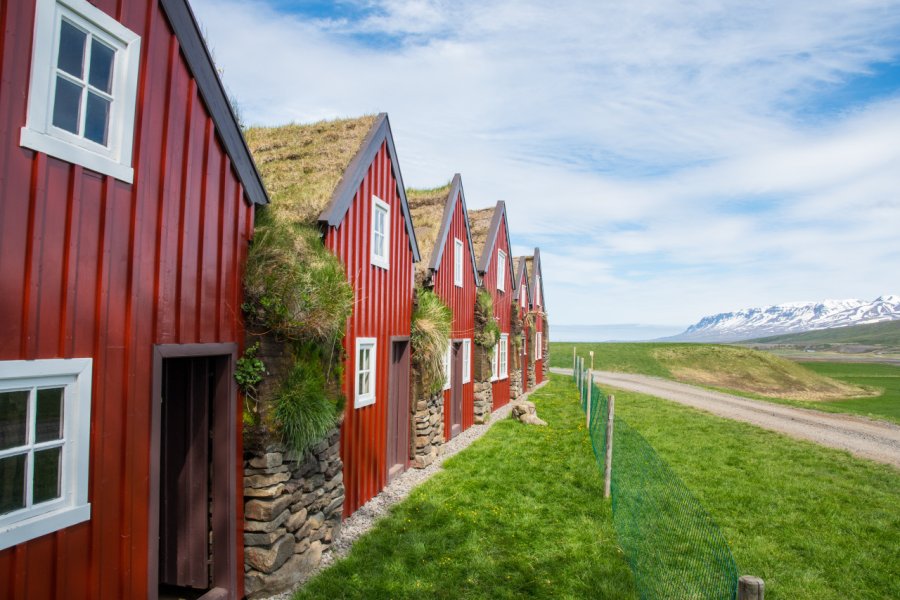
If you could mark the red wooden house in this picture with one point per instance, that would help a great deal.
(490, 234)
(541, 333)
(522, 303)
(445, 241)
(127, 194)
(344, 175)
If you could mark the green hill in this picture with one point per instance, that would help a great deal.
(874, 334)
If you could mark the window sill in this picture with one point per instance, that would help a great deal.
(58, 148)
(363, 402)
(34, 527)
(381, 264)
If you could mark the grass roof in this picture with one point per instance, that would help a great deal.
(480, 223)
(302, 165)
(518, 274)
(427, 210)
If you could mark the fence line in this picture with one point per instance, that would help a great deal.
(673, 546)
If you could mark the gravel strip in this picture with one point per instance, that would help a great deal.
(867, 438)
(369, 513)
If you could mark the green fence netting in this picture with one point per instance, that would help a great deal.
(673, 546)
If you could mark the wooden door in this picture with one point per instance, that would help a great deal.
(456, 391)
(184, 490)
(398, 410)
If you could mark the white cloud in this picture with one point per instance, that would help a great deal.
(671, 159)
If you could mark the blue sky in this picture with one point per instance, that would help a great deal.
(672, 160)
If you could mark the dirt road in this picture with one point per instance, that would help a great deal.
(875, 440)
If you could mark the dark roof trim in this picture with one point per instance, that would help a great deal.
(493, 231)
(522, 275)
(200, 63)
(456, 191)
(346, 189)
(534, 276)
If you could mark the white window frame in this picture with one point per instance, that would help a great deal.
(494, 368)
(467, 361)
(72, 507)
(501, 270)
(39, 133)
(378, 260)
(538, 345)
(504, 355)
(458, 255)
(361, 399)
(537, 290)
(448, 361)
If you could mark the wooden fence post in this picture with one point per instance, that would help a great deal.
(607, 470)
(574, 360)
(751, 588)
(590, 381)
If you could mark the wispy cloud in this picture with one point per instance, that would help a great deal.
(671, 159)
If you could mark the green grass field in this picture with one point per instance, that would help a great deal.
(830, 387)
(880, 334)
(520, 513)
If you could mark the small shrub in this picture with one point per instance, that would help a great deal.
(429, 337)
(248, 373)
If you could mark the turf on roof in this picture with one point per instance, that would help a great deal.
(302, 165)
(480, 223)
(427, 210)
(516, 262)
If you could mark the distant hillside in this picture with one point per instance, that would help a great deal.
(874, 334)
(783, 319)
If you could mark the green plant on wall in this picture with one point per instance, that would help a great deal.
(429, 337)
(248, 374)
(297, 291)
(487, 332)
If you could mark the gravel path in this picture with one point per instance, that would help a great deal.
(357, 524)
(875, 440)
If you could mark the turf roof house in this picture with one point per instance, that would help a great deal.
(541, 337)
(520, 359)
(490, 237)
(448, 268)
(127, 204)
(344, 176)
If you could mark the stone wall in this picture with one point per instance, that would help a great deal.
(481, 375)
(292, 513)
(428, 428)
(515, 372)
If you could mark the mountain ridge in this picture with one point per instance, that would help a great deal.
(790, 317)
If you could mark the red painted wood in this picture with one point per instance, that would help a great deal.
(382, 309)
(93, 267)
(502, 304)
(538, 302)
(521, 304)
(461, 301)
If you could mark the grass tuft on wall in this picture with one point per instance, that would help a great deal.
(429, 337)
(487, 332)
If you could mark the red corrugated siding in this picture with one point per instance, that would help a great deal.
(502, 305)
(93, 267)
(382, 309)
(522, 305)
(538, 324)
(461, 301)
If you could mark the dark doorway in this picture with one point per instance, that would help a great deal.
(398, 409)
(456, 391)
(193, 524)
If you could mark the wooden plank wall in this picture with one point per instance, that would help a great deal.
(502, 305)
(382, 309)
(461, 301)
(93, 267)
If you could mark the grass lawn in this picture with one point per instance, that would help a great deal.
(885, 377)
(752, 374)
(812, 522)
(518, 514)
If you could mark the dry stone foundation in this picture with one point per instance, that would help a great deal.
(428, 429)
(481, 375)
(292, 513)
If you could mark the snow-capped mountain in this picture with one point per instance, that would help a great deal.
(793, 317)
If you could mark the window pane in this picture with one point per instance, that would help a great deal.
(67, 105)
(13, 414)
(49, 421)
(364, 387)
(100, 73)
(12, 483)
(97, 122)
(71, 50)
(46, 475)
